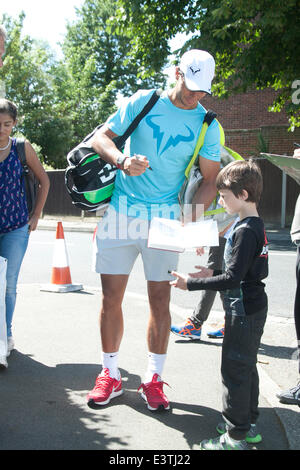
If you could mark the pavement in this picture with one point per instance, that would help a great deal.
(57, 358)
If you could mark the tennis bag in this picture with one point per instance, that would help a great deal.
(193, 177)
(88, 178)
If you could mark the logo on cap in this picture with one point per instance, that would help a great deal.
(194, 71)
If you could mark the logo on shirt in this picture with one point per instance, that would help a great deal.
(172, 141)
(265, 250)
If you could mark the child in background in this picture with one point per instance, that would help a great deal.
(245, 304)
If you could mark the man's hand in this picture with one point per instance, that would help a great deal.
(136, 165)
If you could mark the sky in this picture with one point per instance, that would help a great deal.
(44, 20)
(47, 21)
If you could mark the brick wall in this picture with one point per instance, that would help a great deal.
(247, 110)
(245, 117)
(247, 121)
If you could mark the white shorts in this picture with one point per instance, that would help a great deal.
(118, 242)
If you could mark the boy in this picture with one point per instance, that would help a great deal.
(245, 304)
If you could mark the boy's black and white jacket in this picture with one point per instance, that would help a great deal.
(245, 266)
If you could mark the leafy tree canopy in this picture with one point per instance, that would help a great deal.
(255, 43)
(28, 77)
(100, 64)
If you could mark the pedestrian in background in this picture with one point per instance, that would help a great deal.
(192, 327)
(15, 223)
(292, 396)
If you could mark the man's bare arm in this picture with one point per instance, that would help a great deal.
(207, 190)
(103, 144)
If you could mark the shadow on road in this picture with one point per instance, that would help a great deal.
(44, 408)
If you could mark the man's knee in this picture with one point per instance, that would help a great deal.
(159, 297)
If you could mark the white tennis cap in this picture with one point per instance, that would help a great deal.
(199, 70)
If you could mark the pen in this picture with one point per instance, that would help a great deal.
(138, 158)
(297, 145)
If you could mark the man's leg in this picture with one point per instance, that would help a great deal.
(215, 261)
(157, 338)
(111, 315)
(297, 305)
(108, 384)
(160, 319)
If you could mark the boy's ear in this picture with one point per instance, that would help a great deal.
(244, 195)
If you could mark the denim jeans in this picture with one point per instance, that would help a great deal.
(13, 246)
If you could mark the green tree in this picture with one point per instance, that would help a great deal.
(27, 74)
(255, 43)
(100, 65)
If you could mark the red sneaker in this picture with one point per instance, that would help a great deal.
(153, 394)
(105, 389)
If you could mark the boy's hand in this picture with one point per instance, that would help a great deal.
(200, 251)
(180, 282)
(203, 272)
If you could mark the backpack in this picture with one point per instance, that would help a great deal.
(89, 179)
(193, 176)
(30, 181)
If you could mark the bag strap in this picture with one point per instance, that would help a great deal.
(209, 117)
(20, 143)
(148, 106)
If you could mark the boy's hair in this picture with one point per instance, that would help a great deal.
(8, 107)
(239, 175)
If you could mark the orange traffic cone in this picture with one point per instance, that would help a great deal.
(61, 275)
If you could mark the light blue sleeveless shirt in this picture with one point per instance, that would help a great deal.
(167, 136)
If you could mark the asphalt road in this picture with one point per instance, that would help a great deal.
(57, 357)
(37, 265)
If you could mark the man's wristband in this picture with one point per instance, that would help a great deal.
(120, 162)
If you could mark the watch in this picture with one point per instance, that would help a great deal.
(120, 161)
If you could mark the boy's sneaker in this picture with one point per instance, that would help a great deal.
(216, 334)
(253, 436)
(10, 345)
(152, 393)
(3, 362)
(291, 396)
(187, 330)
(223, 442)
(105, 389)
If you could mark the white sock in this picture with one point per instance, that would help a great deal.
(110, 361)
(155, 365)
